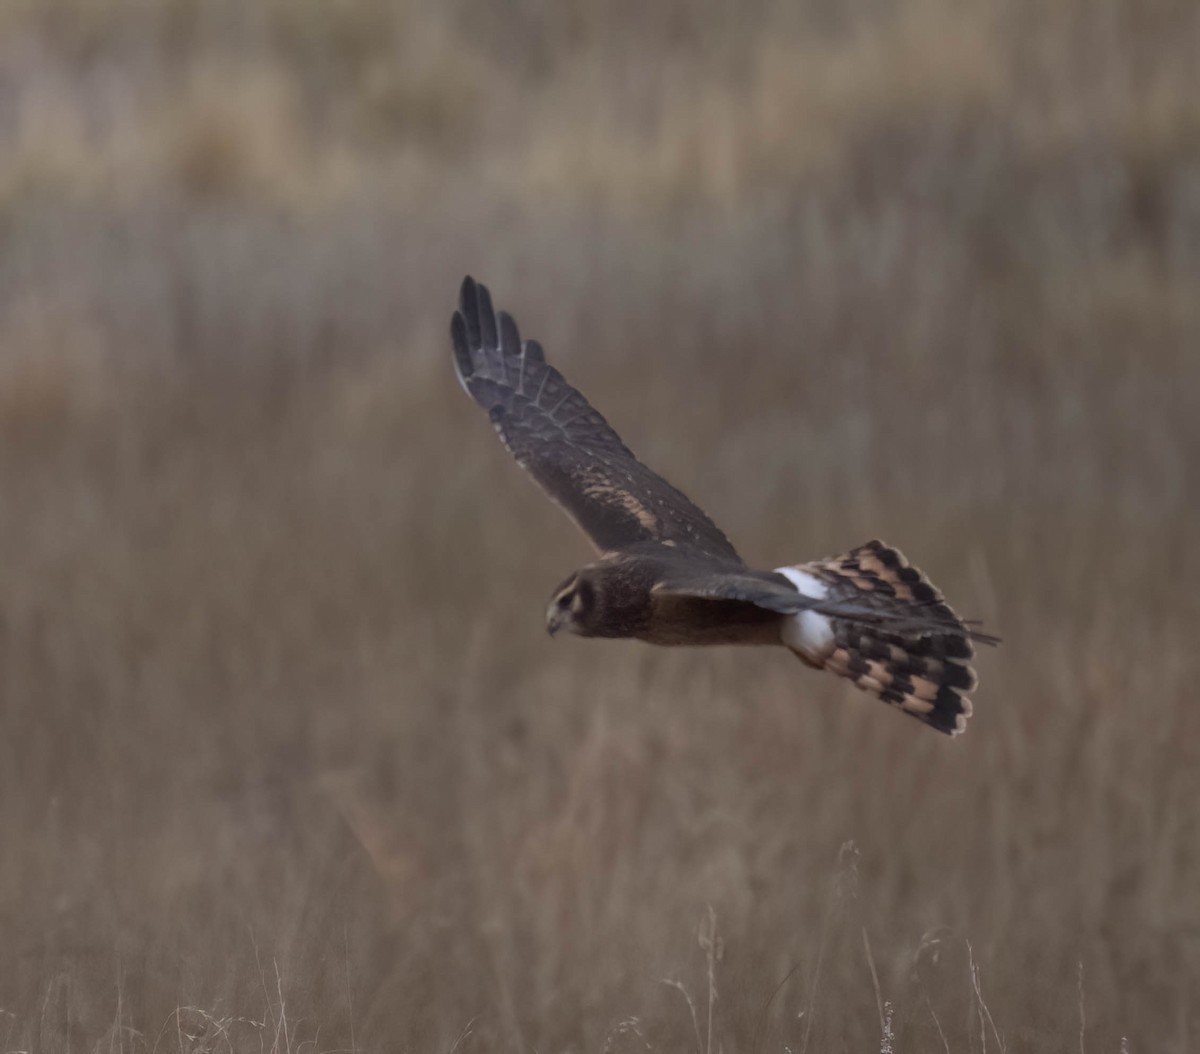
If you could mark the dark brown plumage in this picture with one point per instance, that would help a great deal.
(667, 575)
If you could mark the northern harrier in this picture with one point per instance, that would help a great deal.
(666, 573)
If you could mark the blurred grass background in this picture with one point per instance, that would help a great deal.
(286, 759)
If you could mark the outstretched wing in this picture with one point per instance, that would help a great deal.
(566, 446)
(867, 615)
(702, 581)
(897, 598)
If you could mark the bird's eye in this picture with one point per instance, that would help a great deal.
(564, 600)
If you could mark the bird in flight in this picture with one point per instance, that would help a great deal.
(666, 574)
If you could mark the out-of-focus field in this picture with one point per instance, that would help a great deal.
(287, 762)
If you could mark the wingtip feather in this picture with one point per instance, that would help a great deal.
(463, 365)
(510, 337)
(468, 305)
(487, 317)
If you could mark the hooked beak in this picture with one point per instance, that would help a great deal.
(553, 620)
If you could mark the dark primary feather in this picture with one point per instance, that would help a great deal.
(565, 444)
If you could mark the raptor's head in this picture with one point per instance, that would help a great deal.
(573, 606)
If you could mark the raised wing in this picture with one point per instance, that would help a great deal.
(556, 435)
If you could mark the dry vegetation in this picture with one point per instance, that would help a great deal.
(286, 760)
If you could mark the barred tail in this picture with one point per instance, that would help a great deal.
(900, 640)
(928, 677)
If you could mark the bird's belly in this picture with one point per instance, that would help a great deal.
(695, 620)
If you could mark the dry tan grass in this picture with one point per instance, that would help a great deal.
(287, 761)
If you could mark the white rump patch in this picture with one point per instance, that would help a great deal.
(808, 585)
(807, 632)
